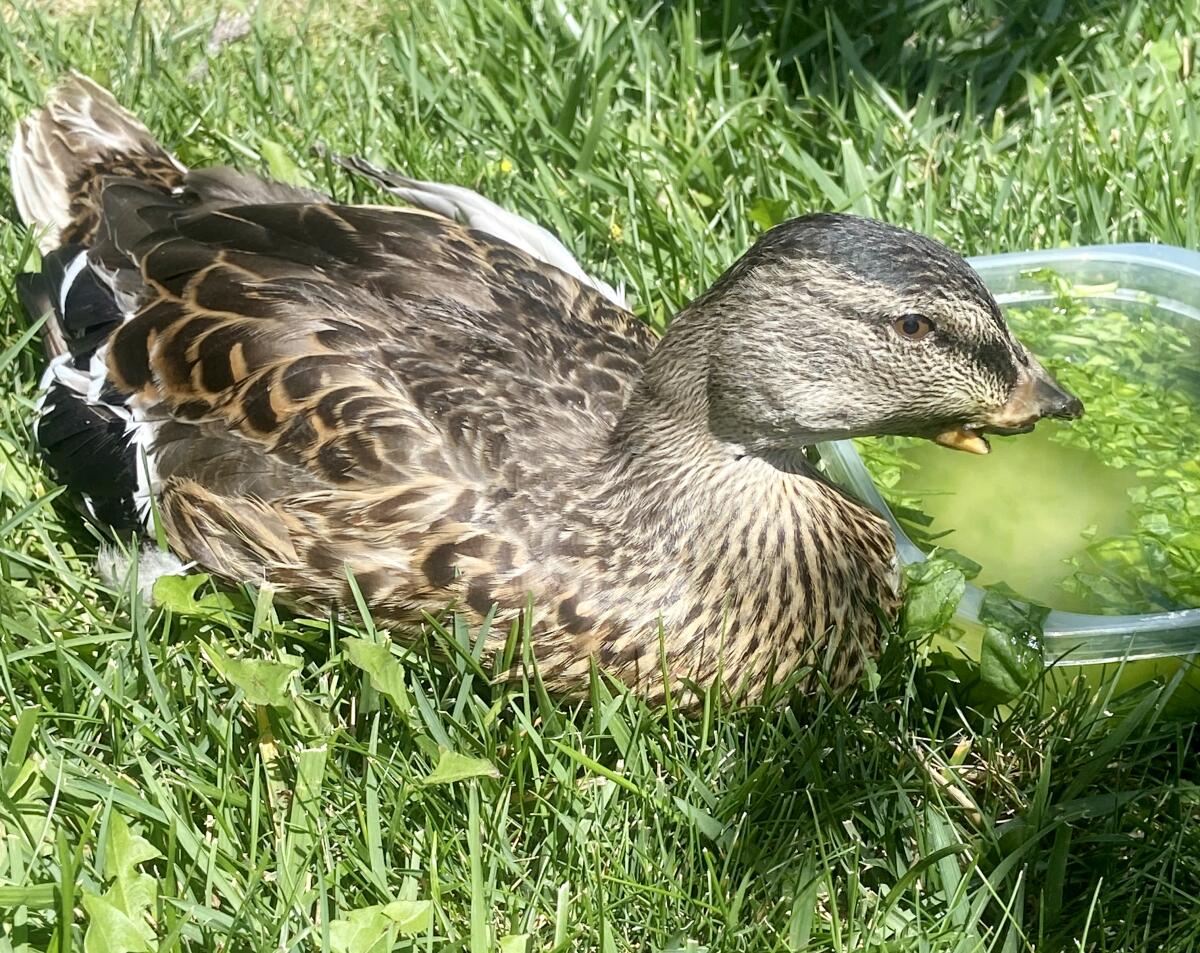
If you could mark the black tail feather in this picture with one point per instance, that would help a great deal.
(87, 447)
(86, 442)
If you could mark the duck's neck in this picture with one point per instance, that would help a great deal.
(666, 415)
(665, 464)
(667, 469)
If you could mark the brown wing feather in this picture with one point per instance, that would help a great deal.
(331, 335)
(392, 381)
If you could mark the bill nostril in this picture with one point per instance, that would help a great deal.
(1073, 409)
(1054, 401)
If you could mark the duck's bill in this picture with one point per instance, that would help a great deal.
(1035, 396)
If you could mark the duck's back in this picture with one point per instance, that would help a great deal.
(344, 339)
(295, 385)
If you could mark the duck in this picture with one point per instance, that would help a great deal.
(442, 414)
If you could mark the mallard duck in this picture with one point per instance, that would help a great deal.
(302, 391)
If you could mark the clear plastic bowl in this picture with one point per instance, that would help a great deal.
(1171, 277)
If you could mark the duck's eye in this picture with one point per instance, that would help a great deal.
(913, 326)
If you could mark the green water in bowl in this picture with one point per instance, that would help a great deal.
(1026, 512)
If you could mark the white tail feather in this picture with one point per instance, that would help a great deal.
(80, 124)
(39, 187)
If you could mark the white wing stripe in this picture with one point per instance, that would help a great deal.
(78, 263)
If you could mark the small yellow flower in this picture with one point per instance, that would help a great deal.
(505, 166)
(615, 231)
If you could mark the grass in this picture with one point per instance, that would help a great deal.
(216, 776)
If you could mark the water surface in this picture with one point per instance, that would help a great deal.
(1023, 511)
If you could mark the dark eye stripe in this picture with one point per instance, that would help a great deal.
(995, 356)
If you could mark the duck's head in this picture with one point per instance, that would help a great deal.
(834, 326)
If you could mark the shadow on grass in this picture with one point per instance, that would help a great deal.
(969, 57)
